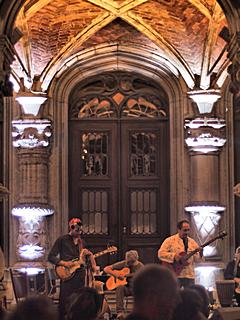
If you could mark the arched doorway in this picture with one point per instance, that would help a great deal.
(119, 162)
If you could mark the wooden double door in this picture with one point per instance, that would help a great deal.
(119, 184)
(119, 164)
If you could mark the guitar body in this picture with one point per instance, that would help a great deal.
(181, 264)
(112, 283)
(65, 273)
(178, 266)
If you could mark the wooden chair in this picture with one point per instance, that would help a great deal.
(19, 284)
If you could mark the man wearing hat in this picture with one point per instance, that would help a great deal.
(69, 253)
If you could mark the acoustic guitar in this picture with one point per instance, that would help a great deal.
(178, 266)
(113, 282)
(66, 273)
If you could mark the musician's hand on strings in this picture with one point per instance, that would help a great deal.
(237, 280)
(177, 257)
(201, 252)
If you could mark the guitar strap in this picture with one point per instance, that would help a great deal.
(185, 242)
(80, 246)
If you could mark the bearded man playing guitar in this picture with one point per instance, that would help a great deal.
(69, 251)
(122, 273)
(175, 248)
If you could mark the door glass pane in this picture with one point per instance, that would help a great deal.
(95, 212)
(143, 155)
(94, 154)
(143, 211)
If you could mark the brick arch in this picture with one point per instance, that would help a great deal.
(11, 8)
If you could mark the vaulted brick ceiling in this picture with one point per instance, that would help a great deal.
(182, 31)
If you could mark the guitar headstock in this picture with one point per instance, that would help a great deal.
(112, 249)
(221, 235)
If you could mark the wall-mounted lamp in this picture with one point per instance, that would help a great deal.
(31, 102)
(205, 99)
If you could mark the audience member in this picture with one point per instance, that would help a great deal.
(205, 308)
(155, 291)
(215, 315)
(232, 272)
(189, 307)
(34, 308)
(2, 313)
(84, 304)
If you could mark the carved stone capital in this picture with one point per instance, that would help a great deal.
(31, 133)
(205, 135)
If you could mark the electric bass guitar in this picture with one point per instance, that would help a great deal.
(113, 282)
(66, 273)
(178, 266)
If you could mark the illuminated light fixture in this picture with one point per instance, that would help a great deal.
(31, 211)
(207, 275)
(209, 251)
(31, 102)
(30, 251)
(205, 209)
(31, 271)
(204, 149)
(205, 99)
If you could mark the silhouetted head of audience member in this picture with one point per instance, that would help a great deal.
(2, 313)
(189, 307)
(205, 309)
(85, 304)
(35, 308)
(155, 291)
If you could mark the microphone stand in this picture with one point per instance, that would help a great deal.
(88, 271)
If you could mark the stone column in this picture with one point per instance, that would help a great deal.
(6, 91)
(234, 71)
(31, 139)
(204, 137)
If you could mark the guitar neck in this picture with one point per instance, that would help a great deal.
(189, 255)
(98, 254)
